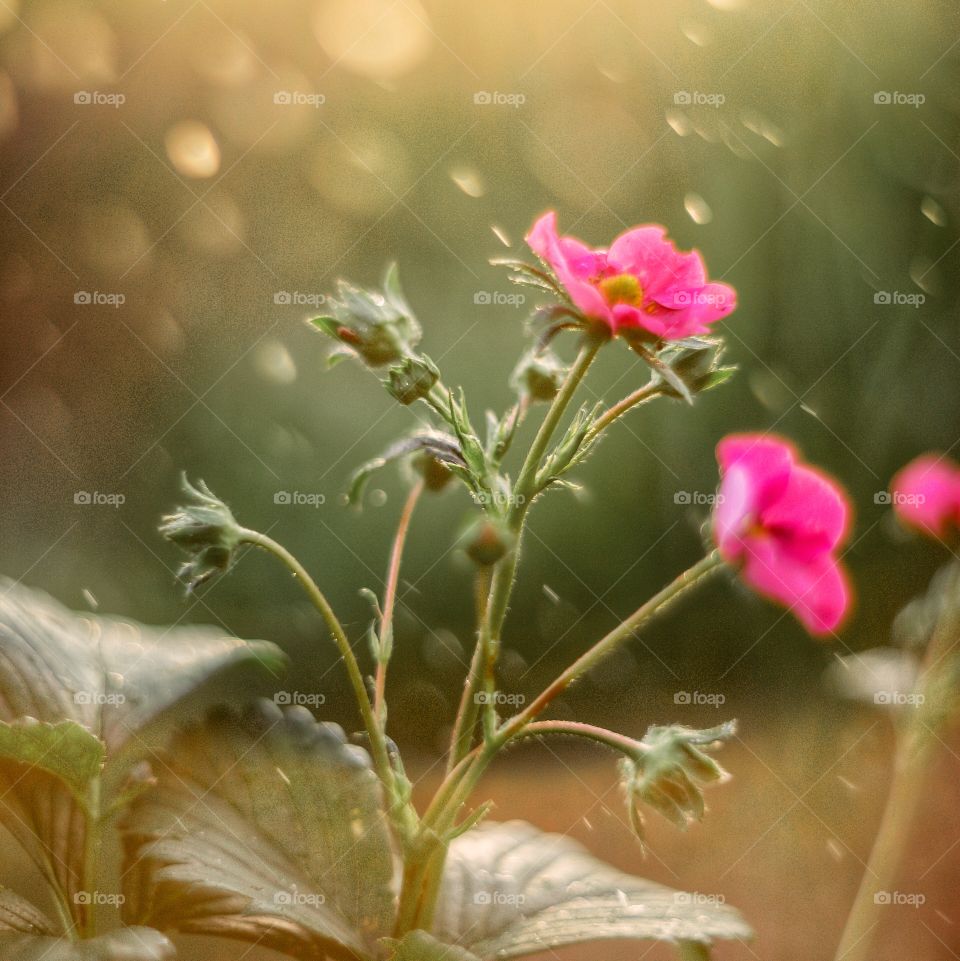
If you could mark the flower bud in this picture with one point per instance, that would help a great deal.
(379, 328)
(538, 375)
(436, 475)
(487, 540)
(413, 379)
(206, 529)
(668, 770)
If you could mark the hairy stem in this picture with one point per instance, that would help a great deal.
(638, 397)
(381, 758)
(606, 645)
(390, 597)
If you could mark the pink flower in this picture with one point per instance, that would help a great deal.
(926, 494)
(642, 281)
(783, 522)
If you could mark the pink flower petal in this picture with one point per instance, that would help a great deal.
(767, 458)
(926, 494)
(811, 513)
(654, 261)
(814, 590)
(571, 262)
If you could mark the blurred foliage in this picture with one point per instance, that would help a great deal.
(221, 198)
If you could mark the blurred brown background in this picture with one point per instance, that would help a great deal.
(181, 183)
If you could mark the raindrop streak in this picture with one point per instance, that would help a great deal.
(501, 235)
(697, 208)
(933, 211)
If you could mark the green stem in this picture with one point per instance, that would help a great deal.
(606, 645)
(599, 735)
(389, 600)
(638, 397)
(381, 757)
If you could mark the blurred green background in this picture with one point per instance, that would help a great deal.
(217, 164)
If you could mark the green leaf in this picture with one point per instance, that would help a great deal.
(66, 750)
(116, 678)
(126, 944)
(421, 946)
(96, 687)
(510, 890)
(266, 828)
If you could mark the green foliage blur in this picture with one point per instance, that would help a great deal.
(260, 151)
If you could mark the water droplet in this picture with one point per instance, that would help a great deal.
(469, 181)
(91, 600)
(274, 363)
(695, 32)
(192, 149)
(933, 211)
(378, 497)
(698, 209)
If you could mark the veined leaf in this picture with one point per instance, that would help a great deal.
(95, 687)
(510, 890)
(266, 828)
(421, 946)
(125, 944)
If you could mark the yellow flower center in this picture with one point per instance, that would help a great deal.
(622, 289)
